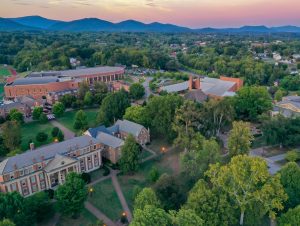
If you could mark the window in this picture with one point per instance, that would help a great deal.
(21, 172)
(32, 179)
(11, 177)
(41, 176)
(40, 167)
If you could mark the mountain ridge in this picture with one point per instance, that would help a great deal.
(39, 23)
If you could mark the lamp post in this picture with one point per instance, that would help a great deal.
(91, 191)
(124, 218)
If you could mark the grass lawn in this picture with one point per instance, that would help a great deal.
(68, 118)
(97, 174)
(85, 219)
(144, 154)
(167, 163)
(4, 72)
(29, 131)
(106, 199)
(158, 143)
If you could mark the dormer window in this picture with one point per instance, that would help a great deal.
(62, 162)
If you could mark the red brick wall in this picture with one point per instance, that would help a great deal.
(239, 82)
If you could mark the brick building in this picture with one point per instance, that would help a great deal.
(47, 167)
(55, 83)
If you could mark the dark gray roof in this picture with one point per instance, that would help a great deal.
(11, 106)
(179, 87)
(34, 80)
(129, 127)
(46, 153)
(94, 131)
(196, 95)
(90, 71)
(109, 140)
(77, 72)
(113, 129)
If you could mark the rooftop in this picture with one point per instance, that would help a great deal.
(109, 140)
(129, 127)
(35, 80)
(44, 153)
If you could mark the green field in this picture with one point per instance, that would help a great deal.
(85, 218)
(106, 199)
(29, 131)
(4, 72)
(68, 118)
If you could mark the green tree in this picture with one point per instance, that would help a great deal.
(240, 138)
(146, 197)
(13, 206)
(215, 115)
(113, 107)
(54, 131)
(160, 111)
(136, 114)
(292, 156)
(153, 174)
(278, 95)
(137, 91)
(71, 195)
(15, 115)
(290, 218)
(150, 216)
(7, 222)
(43, 118)
(67, 100)
(88, 99)
(185, 124)
(100, 87)
(169, 191)
(83, 89)
(252, 101)
(58, 109)
(80, 121)
(129, 161)
(246, 179)
(186, 217)
(211, 204)
(36, 113)
(290, 180)
(196, 161)
(11, 133)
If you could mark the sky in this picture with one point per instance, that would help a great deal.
(189, 13)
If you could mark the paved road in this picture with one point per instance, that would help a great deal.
(274, 167)
(67, 133)
(99, 214)
(148, 91)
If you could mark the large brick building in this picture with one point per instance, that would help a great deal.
(55, 83)
(47, 167)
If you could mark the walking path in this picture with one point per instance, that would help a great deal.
(152, 156)
(99, 214)
(67, 133)
(121, 195)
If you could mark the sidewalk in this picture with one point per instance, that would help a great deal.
(98, 214)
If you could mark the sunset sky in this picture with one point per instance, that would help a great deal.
(191, 13)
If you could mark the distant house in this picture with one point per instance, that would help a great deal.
(113, 137)
(21, 107)
(288, 107)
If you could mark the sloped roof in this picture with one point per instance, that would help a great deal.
(216, 87)
(35, 80)
(196, 95)
(175, 88)
(29, 158)
(109, 140)
(129, 127)
(59, 161)
(94, 131)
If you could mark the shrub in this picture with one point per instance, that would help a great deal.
(50, 193)
(86, 177)
(106, 171)
(55, 131)
(41, 137)
(60, 136)
(292, 156)
(43, 118)
(153, 174)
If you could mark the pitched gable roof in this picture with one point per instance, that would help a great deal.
(94, 131)
(129, 127)
(59, 161)
(109, 140)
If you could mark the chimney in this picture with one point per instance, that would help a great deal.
(31, 145)
(197, 83)
(191, 83)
